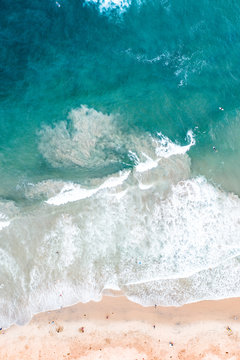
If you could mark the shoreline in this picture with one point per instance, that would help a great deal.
(117, 328)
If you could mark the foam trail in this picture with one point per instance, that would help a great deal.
(73, 192)
(70, 193)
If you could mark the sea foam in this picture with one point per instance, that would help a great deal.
(155, 232)
(108, 5)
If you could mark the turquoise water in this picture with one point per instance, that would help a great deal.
(109, 115)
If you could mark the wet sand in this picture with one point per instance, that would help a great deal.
(119, 329)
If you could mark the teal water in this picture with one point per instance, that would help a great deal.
(100, 184)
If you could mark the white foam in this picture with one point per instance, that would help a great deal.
(179, 232)
(190, 230)
(8, 210)
(115, 181)
(119, 195)
(166, 148)
(61, 238)
(73, 192)
(106, 5)
(4, 224)
(145, 166)
(145, 187)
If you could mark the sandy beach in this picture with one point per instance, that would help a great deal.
(116, 328)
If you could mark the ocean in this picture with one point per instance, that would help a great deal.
(119, 152)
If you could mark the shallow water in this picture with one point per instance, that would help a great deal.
(109, 115)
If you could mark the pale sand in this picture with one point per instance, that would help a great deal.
(118, 329)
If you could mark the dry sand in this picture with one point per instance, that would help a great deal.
(118, 329)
